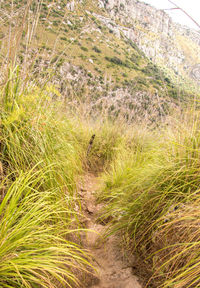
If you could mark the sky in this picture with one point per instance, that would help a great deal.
(192, 7)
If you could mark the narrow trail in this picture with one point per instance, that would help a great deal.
(112, 270)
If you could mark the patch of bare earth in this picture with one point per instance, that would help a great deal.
(112, 270)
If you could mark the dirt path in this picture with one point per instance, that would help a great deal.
(112, 270)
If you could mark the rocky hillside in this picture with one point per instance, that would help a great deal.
(117, 56)
(167, 44)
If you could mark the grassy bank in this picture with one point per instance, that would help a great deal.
(150, 190)
(40, 157)
(150, 174)
(43, 152)
(151, 195)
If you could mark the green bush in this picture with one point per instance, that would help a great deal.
(84, 48)
(96, 49)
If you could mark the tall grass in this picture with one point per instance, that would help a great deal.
(43, 151)
(109, 139)
(40, 158)
(151, 176)
(34, 230)
(35, 130)
(151, 194)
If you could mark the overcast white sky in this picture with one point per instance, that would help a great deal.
(191, 6)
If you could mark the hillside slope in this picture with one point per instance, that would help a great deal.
(168, 44)
(90, 51)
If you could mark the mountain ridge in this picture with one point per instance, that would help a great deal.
(167, 45)
(93, 54)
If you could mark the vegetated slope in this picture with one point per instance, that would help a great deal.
(151, 200)
(150, 193)
(72, 44)
(43, 151)
(151, 190)
(39, 160)
(174, 47)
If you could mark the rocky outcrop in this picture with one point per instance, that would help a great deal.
(155, 34)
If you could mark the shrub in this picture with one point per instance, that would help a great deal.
(96, 49)
(63, 38)
(114, 60)
(84, 48)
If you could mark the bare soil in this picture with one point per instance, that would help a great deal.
(113, 271)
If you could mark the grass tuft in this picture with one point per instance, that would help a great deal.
(151, 198)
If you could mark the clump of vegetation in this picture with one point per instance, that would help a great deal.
(96, 49)
(39, 160)
(34, 230)
(151, 195)
(115, 60)
(84, 48)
